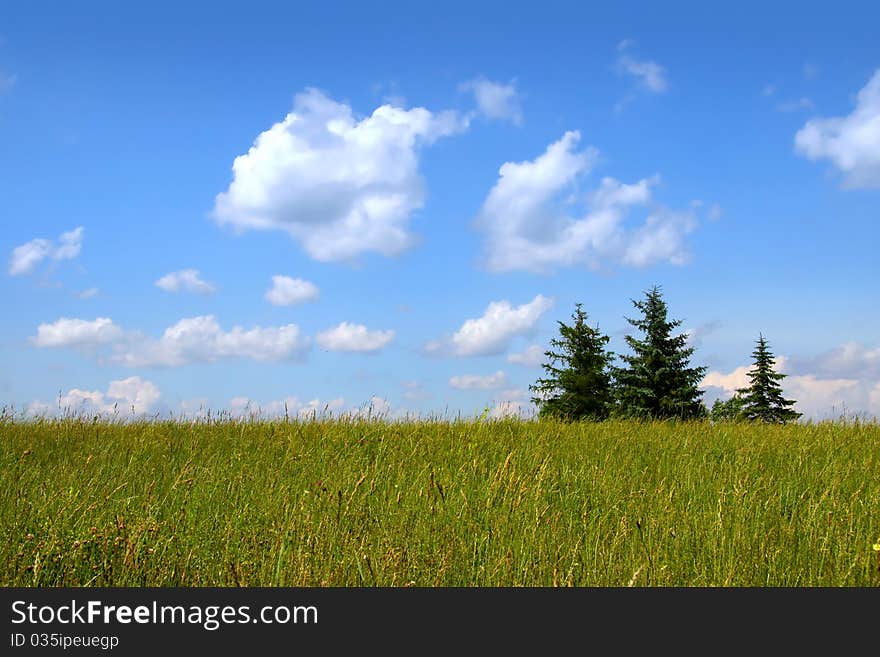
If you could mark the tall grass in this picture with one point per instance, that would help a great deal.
(351, 502)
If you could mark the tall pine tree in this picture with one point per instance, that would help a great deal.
(578, 381)
(658, 382)
(762, 400)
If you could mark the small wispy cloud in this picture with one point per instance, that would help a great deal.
(801, 104)
(495, 100)
(26, 257)
(649, 75)
(809, 71)
(185, 280)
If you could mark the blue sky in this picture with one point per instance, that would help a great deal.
(235, 206)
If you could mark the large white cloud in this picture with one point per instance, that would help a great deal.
(852, 142)
(353, 337)
(125, 396)
(25, 258)
(185, 280)
(492, 332)
(531, 223)
(287, 291)
(339, 185)
(66, 332)
(477, 382)
(495, 100)
(845, 380)
(191, 340)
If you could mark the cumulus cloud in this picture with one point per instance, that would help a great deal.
(492, 332)
(337, 184)
(852, 142)
(495, 100)
(133, 395)
(353, 337)
(66, 332)
(185, 280)
(530, 223)
(287, 291)
(477, 382)
(26, 257)
(849, 360)
(531, 356)
(512, 403)
(287, 407)
(650, 75)
(845, 380)
(191, 340)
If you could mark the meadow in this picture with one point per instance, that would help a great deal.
(359, 502)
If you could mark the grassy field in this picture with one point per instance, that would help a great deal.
(437, 503)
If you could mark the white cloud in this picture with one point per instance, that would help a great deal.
(289, 406)
(851, 142)
(131, 395)
(492, 332)
(26, 257)
(476, 382)
(191, 340)
(496, 100)
(88, 293)
(802, 103)
(67, 332)
(849, 360)
(768, 90)
(511, 409)
(185, 280)
(530, 225)
(287, 291)
(353, 337)
(649, 74)
(200, 339)
(338, 185)
(531, 356)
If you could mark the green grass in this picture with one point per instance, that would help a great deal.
(437, 503)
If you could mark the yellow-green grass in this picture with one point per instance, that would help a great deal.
(352, 502)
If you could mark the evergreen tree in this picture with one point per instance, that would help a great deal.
(578, 381)
(762, 399)
(727, 411)
(657, 381)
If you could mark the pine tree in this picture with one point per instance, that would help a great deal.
(658, 382)
(727, 411)
(578, 382)
(762, 399)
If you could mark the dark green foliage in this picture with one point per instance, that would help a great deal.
(727, 411)
(657, 381)
(578, 382)
(762, 400)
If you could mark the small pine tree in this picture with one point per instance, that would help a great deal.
(578, 382)
(762, 400)
(727, 411)
(657, 382)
